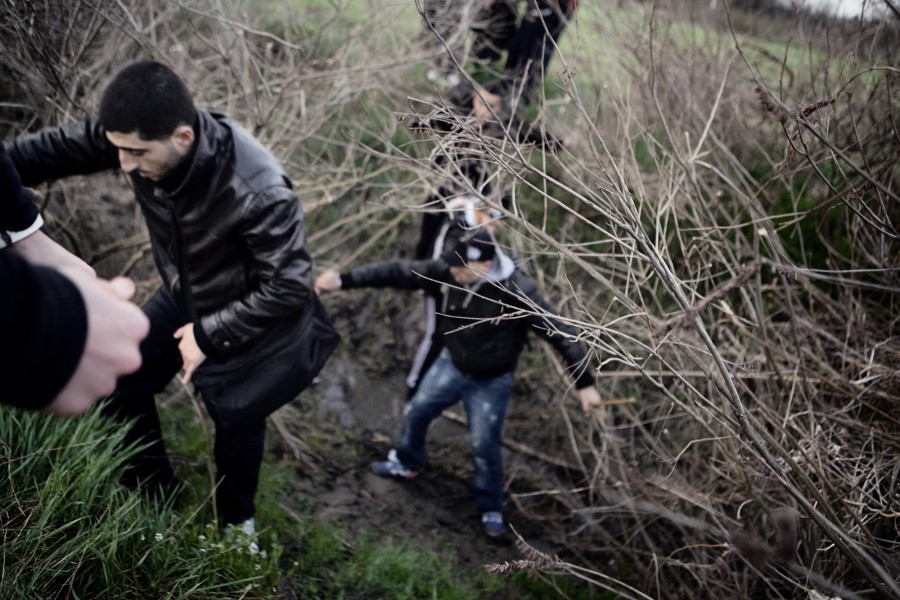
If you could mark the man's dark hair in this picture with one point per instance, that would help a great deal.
(148, 98)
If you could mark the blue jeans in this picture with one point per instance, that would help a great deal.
(485, 401)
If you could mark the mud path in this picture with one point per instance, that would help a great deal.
(436, 510)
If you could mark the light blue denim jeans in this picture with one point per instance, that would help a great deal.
(485, 401)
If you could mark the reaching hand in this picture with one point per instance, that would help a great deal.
(590, 398)
(191, 354)
(328, 281)
(115, 330)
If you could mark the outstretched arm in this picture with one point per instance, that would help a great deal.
(20, 221)
(39, 249)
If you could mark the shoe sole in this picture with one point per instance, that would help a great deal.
(396, 476)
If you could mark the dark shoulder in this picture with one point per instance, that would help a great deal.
(254, 164)
(519, 282)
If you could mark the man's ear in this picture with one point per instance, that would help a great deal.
(183, 137)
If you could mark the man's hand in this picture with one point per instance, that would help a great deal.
(115, 330)
(328, 281)
(38, 249)
(191, 354)
(590, 398)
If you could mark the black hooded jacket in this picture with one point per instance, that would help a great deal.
(484, 327)
(233, 225)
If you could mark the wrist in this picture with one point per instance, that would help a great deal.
(13, 237)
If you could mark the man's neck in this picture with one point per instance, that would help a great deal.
(173, 180)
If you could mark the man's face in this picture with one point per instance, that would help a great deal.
(152, 159)
(470, 272)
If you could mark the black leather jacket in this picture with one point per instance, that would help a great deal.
(234, 221)
(486, 327)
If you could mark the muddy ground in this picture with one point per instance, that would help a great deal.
(360, 395)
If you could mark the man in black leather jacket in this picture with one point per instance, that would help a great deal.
(228, 240)
(487, 308)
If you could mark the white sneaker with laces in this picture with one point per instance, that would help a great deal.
(244, 531)
(392, 467)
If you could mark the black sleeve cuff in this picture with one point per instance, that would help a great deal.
(18, 211)
(584, 379)
(347, 280)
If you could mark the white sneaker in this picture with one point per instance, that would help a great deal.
(492, 524)
(392, 467)
(245, 531)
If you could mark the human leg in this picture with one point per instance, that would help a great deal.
(485, 402)
(494, 27)
(238, 450)
(428, 350)
(439, 389)
(532, 48)
(134, 397)
(446, 30)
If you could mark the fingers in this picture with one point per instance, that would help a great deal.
(115, 328)
(328, 281)
(191, 354)
(590, 399)
(123, 287)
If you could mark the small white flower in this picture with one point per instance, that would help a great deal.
(202, 538)
(258, 568)
(158, 537)
(143, 539)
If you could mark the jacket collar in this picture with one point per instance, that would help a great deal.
(210, 144)
(502, 268)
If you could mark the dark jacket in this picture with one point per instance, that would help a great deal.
(484, 327)
(17, 208)
(233, 222)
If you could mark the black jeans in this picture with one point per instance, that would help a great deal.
(239, 444)
(530, 49)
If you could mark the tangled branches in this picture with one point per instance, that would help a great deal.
(723, 237)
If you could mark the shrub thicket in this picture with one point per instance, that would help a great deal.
(721, 227)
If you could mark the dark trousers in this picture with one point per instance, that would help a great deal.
(530, 49)
(239, 444)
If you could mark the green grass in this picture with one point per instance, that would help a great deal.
(70, 530)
